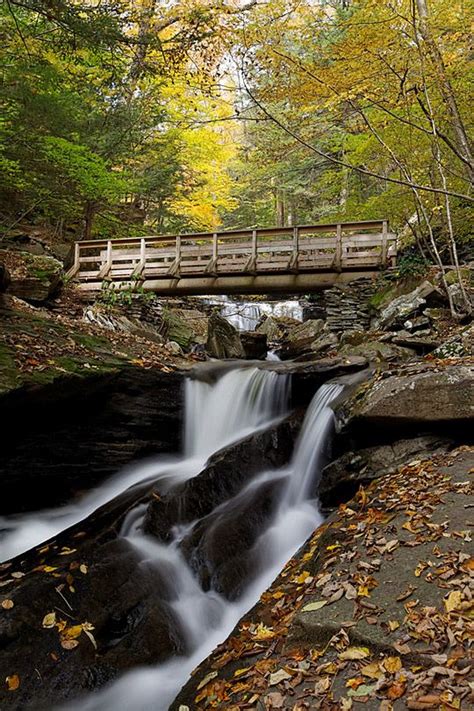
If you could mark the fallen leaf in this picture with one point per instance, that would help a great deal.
(13, 682)
(373, 671)
(314, 606)
(206, 680)
(393, 625)
(7, 604)
(262, 632)
(83, 568)
(362, 690)
(72, 632)
(278, 676)
(355, 653)
(49, 620)
(453, 601)
(395, 691)
(392, 664)
(69, 643)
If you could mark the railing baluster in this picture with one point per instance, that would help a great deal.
(384, 243)
(338, 253)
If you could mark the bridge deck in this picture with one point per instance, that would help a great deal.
(269, 259)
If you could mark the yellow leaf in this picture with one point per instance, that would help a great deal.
(83, 568)
(48, 568)
(393, 624)
(355, 682)
(373, 671)
(7, 604)
(314, 606)
(263, 632)
(363, 591)
(13, 682)
(392, 664)
(453, 600)
(278, 594)
(239, 672)
(72, 632)
(355, 653)
(49, 620)
(206, 680)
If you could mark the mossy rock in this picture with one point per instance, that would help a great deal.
(34, 278)
(466, 276)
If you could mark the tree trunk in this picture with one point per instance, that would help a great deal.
(462, 139)
(89, 214)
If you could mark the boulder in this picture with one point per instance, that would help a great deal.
(396, 313)
(300, 338)
(458, 346)
(427, 397)
(223, 340)
(377, 352)
(341, 479)
(276, 327)
(34, 278)
(254, 344)
(185, 326)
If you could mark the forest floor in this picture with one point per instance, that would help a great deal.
(376, 609)
(38, 345)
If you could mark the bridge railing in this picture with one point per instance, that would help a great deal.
(303, 248)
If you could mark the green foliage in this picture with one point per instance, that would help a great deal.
(113, 295)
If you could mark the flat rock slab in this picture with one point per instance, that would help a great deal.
(375, 608)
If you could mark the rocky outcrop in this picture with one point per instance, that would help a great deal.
(300, 337)
(400, 309)
(341, 479)
(223, 339)
(254, 345)
(377, 351)
(35, 278)
(100, 424)
(427, 397)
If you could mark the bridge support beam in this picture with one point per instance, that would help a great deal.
(245, 284)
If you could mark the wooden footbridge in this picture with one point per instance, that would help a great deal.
(278, 259)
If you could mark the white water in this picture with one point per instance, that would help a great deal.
(206, 618)
(245, 315)
(239, 403)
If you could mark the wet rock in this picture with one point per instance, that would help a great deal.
(219, 547)
(300, 338)
(225, 474)
(101, 580)
(223, 339)
(418, 342)
(35, 278)
(430, 396)
(254, 344)
(341, 479)
(106, 421)
(398, 310)
(419, 323)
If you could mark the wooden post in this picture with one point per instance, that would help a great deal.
(384, 243)
(174, 269)
(338, 253)
(106, 267)
(215, 252)
(296, 249)
(141, 264)
(254, 250)
(77, 261)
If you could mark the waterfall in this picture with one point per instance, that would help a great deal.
(206, 617)
(245, 315)
(240, 402)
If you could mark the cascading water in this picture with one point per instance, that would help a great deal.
(206, 618)
(240, 402)
(245, 315)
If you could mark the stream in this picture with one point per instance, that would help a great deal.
(240, 402)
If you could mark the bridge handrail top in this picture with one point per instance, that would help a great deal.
(321, 227)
